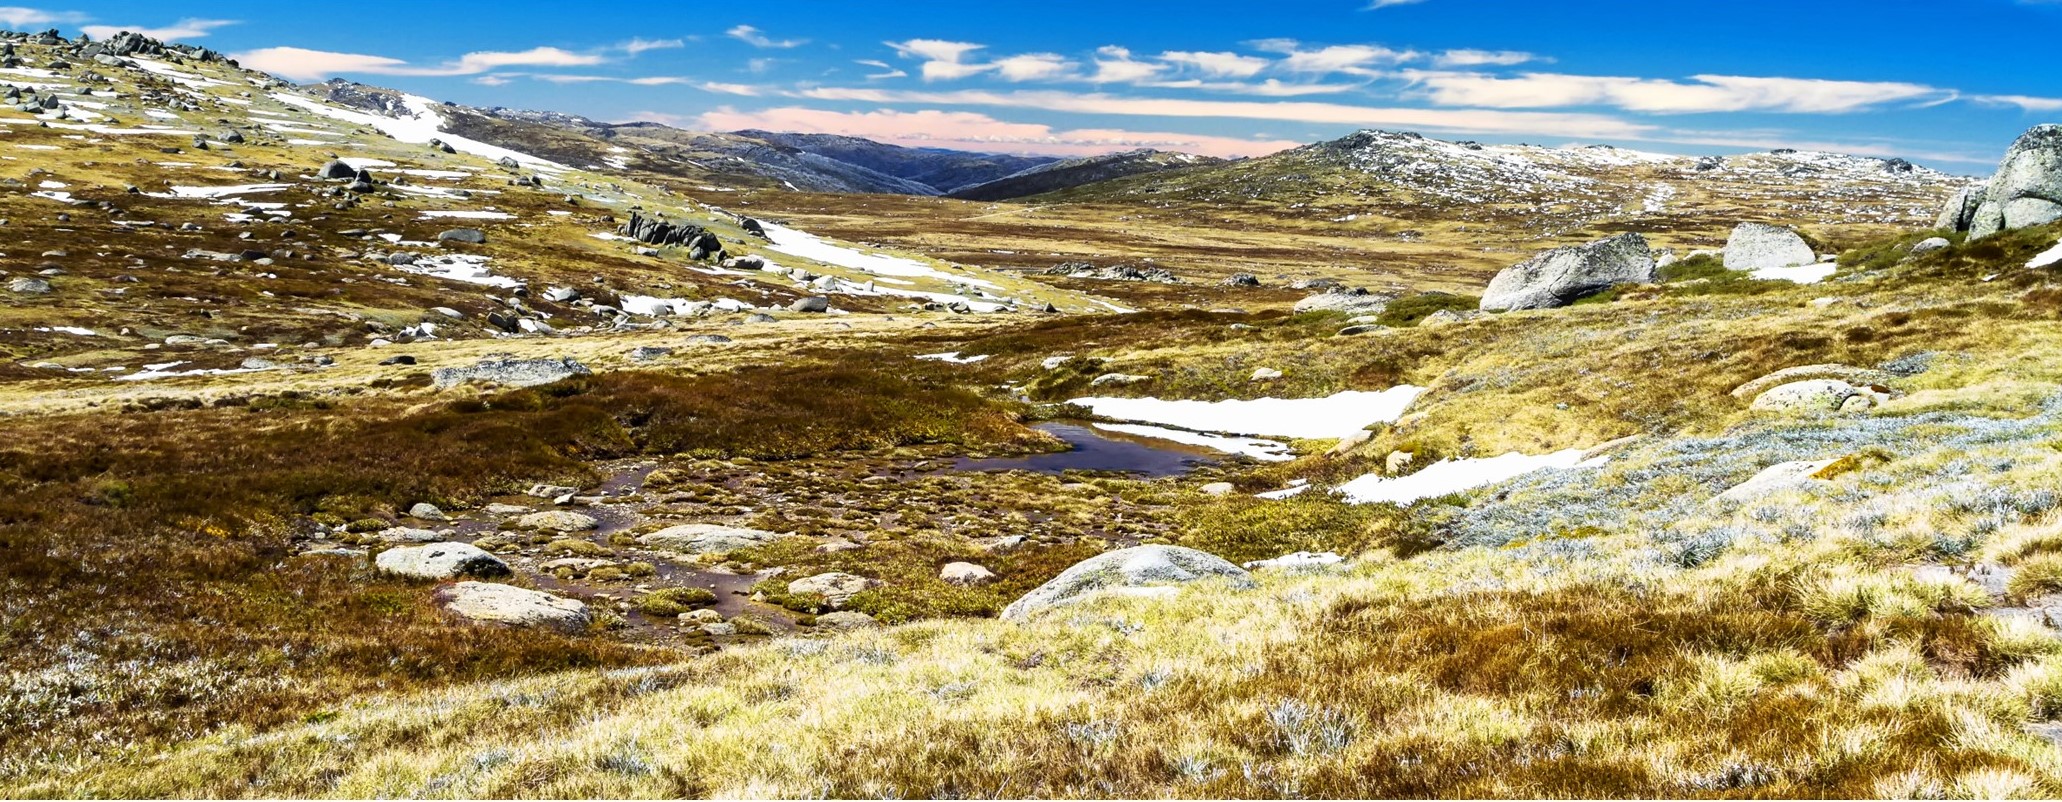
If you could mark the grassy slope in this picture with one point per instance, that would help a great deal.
(1612, 635)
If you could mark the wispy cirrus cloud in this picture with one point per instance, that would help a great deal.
(2024, 102)
(1699, 94)
(302, 64)
(756, 38)
(972, 131)
(1484, 58)
(639, 45)
(1481, 121)
(1341, 59)
(1217, 64)
(189, 28)
(886, 71)
(20, 17)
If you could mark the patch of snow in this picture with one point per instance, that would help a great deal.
(1263, 450)
(1455, 475)
(654, 306)
(467, 268)
(74, 330)
(422, 125)
(219, 192)
(954, 358)
(472, 214)
(809, 246)
(1333, 416)
(1801, 274)
(2047, 257)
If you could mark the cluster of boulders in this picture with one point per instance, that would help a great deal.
(510, 372)
(2025, 191)
(701, 244)
(1085, 270)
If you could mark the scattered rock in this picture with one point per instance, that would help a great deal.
(1929, 245)
(835, 587)
(1960, 211)
(1760, 246)
(1133, 569)
(29, 286)
(647, 353)
(1218, 489)
(813, 303)
(506, 604)
(707, 538)
(468, 235)
(558, 521)
(966, 574)
(1845, 373)
(1817, 395)
(846, 619)
(1356, 301)
(1118, 379)
(441, 561)
(409, 534)
(427, 512)
(1564, 275)
(1084, 270)
(510, 372)
(337, 171)
(1787, 475)
(1265, 375)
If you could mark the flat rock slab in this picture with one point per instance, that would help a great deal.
(707, 538)
(558, 521)
(1139, 570)
(510, 372)
(441, 561)
(507, 604)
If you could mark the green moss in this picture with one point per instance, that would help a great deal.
(670, 602)
(1409, 311)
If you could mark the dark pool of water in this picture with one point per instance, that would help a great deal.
(1097, 450)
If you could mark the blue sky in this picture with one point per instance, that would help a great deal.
(1944, 83)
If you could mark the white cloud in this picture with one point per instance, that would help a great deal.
(1033, 67)
(752, 36)
(1217, 65)
(20, 18)
(1344, 59)
(1268, 88)
(1114, 64)
(188, 28)
(1702, 93)
(1387, 3)
(302, 64)
(1483, 58)
(2024, 102)
(943, 60)
(640, 44)
(886, 71)
(1478, 121)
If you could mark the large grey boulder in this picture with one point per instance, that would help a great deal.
(441, 561)
(1960, 211)
(471, 235)
(1134, 569)
(1760, 246)
(1818, 396)
(1845, 373)
(707, 538)
(2027, 188)
(1563, 275)
(1785, 476)
(29, 286)
(507, 604)
(510, 372)
(336, 171)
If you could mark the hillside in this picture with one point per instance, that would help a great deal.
(355, 445)
(944, 171)
(1062, 175)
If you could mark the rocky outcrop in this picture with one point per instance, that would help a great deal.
(1760, 246)
(1085, 270)
(441, 561)
(1134, 569)
(2027, 188)
(510, 372)
(506, 604)
(707, 538)
(659, 232)
(1818, 396)
(558, 521)
(1847, 373)
(1785, 476)
(1960, 211)
(1563, 275)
